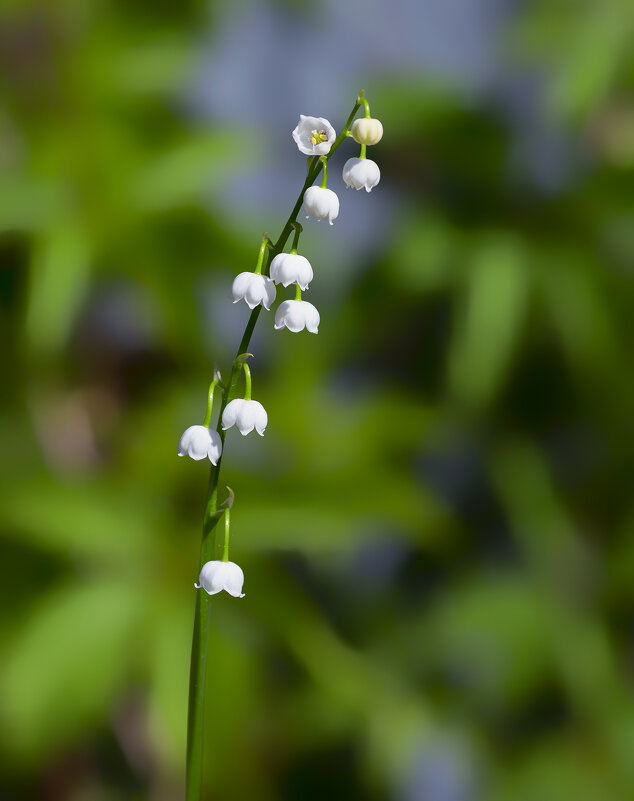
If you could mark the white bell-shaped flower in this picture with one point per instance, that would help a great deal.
(367, 131)
(321, 203)
(253, 289)
(245, 415)
(217, 576)
(200, 442)
(291, 268)
(361, 174)
(297, 315)
(314, 135)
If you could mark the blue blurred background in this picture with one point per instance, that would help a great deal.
(437, 529)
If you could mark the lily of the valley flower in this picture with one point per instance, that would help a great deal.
(361, 174)
(217, 576)
(314, 135)
(367, 131)
(200, 442)
(253, 289)
(321, 203)
(297, 315)
(245, 415)
(290, 268)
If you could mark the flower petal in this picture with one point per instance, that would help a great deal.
(240, 286)
(232, 579)
(230, 413)
(304, 132)
(215, 447)
(261, 418)
(245, 422)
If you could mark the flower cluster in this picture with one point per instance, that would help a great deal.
(361, 173)
(316, 138)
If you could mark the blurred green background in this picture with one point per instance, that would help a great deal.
(437, 530)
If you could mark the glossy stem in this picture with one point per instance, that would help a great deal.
(200, 639)
(324, 180)
(225, 550)
(258, 266)
(298, 231)
(247, 381)
(210, 399)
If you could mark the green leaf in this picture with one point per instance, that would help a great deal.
(66, 664)
(492, 636)
(580, 312)
(494, 305)
(76, 520)
(189, 171)
(59, 278)
(29, 205)
(169, 675)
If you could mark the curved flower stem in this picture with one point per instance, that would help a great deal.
(210, 398)
(298, 231)
(263, 246)
(211, 517)
(324, 180)
(225, 550)
(247, 381)
(366, 106)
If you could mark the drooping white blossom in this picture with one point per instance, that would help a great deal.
(361, 174)
(321, 203)
(297, 315)
(291, 268)
(245, 415)
(314, 135)
(367, 131)
(200, 442)
(217, 576)
(253, 289)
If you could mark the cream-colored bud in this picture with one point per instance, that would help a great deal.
(367, 131)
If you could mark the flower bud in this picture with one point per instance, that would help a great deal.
(245, 415)
(291, 268)
(200, 442)
(361, 174)
(297, 315)
(367, 130)
(216, 576)
(321, 203)
(253, 289)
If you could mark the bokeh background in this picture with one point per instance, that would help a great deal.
(437, 530)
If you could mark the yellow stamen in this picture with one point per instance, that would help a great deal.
(318, 137)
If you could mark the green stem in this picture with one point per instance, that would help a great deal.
(324, 180)
(258, 266)
(362, 153)
(298, 231)
(225, 550)
(210, 399)
(247, 381)
(195, 720)
(298, 292)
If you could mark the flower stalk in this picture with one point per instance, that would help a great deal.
(324, 179)
(210, 398)
(212, 514)
(263, 246)
(225, 549)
